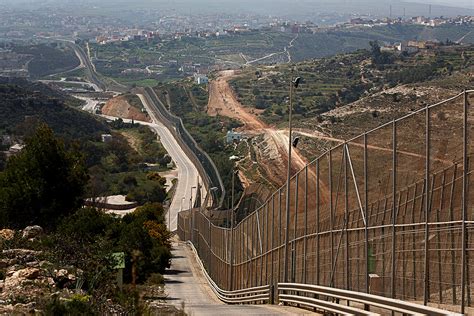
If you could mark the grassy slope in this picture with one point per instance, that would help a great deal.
(332, 82)
(23, 101)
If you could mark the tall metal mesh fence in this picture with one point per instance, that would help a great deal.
(388, 213)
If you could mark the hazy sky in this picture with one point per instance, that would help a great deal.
(273, 7)
(457, 3)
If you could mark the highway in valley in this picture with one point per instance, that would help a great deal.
(185, 284)
(188, 175)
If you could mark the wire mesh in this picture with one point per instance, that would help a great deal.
(388, 213)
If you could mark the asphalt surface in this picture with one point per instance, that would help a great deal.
(187, 287)
(188, 175)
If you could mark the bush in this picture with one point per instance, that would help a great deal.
(43, 183)
(87, 238)
(76, 305)
(144, 237)
(155, 279)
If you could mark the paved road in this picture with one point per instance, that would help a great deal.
(188, 175)
(185, 283)
(87, 84)
(187, 172)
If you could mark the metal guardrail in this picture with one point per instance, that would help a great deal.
(386, 213)
(303, 294)
(253, 294)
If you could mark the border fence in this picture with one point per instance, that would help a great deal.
(206, 167)
(388, 213)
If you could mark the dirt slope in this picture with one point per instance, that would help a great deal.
(272, 154)
(120, 107)
(222, 101)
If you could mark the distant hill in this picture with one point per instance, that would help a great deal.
(48, 59)
(24, 103)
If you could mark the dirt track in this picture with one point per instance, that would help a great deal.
(222, 101)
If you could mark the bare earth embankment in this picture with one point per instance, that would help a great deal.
(272, 152)
(121, 107)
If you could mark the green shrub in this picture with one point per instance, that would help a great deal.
(76, 305)
(43, 183)
(155, 279)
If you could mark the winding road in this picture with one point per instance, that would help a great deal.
(188, 175)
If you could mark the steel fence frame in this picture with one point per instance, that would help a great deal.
(387, 213)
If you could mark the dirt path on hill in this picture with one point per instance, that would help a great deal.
(120, 107)
(273, 154)
(222, 101)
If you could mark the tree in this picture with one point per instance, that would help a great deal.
(43, 183)
(3, 160)
(379, 57)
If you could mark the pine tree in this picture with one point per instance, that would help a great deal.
(42, 184)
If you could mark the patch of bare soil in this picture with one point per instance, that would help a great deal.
(120, 107)
(273, 153)
(132, 140)
(222, 101)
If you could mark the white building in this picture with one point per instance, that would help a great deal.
(201, 79)
(106, 138)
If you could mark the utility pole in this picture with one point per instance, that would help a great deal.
(293, 84)
(231, 274)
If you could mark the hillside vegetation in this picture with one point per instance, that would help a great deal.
(189, 102)
(267, 46)
(116, 166)
(24, 104)
(68, 265)
(48, 59)
(336, 81)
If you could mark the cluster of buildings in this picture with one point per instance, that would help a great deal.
(276, 25)
(411, 47)
(125, 36)
(460, 20)
(417, 20)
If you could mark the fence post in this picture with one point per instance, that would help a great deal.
(331, 215)
(346, 217)
(305, 222)
(394, 210)
(426, 204)
(464, 203)
(279, 235)
(272, 294)
(367, 221)
(210, 249)
(272, 278)
(287, 232)
(317, 222)
(293, 247)
(192, 226)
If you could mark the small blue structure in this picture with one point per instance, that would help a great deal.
(233, 137)
(201, 79)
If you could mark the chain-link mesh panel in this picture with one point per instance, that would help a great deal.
(385, 213)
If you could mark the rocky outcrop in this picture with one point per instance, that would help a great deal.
(32, 232)
(26, 278)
